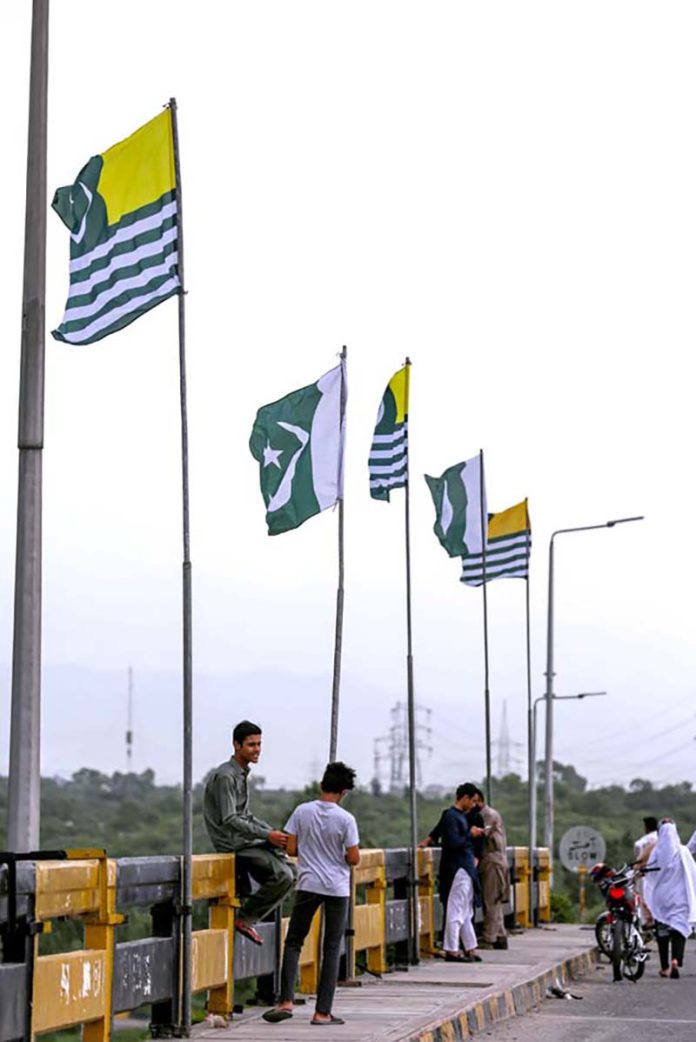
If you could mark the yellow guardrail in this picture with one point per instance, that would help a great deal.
(369, 919)
(426, 900)
(212, 950)
(75, 988)
(544, 880)
(520, 896)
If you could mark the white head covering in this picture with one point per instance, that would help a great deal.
(671, 892)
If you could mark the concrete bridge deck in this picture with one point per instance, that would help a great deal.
(435, 1001)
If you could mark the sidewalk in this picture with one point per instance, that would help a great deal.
(435, 1001)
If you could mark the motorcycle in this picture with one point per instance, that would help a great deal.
(619, 930)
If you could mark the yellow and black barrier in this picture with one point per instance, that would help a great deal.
(46, 993)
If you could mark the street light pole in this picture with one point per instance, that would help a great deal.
(542, 698)
(532, 840)
(549, 695)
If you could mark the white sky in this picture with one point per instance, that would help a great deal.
(503, 192)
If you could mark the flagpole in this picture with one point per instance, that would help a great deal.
(186, 882)
(411, 705)
(24, 785)
(531, 766)
(486, 690)
(338, 642)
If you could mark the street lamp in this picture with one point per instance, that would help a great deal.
(532, 758)
(532, 838)
(549, 696)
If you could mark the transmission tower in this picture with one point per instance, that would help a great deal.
(129, 731)
(507, 751)
(397, 747)
(504, 745)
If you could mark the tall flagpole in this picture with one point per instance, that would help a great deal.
(411, 705)
(338, 642)
(531, 766)
(24, 791)
(186, 882)
(486, 690)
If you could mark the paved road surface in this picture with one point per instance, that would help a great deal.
(401, 1005)
(654, 1010)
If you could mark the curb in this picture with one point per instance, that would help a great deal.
(503, 1005)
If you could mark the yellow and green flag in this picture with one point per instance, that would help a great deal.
(388, 462)
(122, 216)
(508, 548)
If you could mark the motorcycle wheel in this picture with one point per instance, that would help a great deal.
(634, 957)
(633, 968)
(617, 948)
(603, 934)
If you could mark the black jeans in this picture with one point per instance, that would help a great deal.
(664, 936)
(335, 911)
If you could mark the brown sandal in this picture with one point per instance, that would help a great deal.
(247, 930)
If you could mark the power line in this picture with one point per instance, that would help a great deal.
(652, 739)
(636, 726)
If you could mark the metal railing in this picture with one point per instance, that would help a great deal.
(41, 993)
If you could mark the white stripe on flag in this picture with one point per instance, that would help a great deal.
(387, 439)
(388, 482)
(79, 335)
(146, 224)
(393, 469)
(388, 453)
(135, 282)
(123, 260)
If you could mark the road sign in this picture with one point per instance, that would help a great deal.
(581, 845)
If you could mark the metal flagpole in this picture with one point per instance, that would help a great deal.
(486, 691)
(186, 887)
(531, 756)
(24, 789)
(413, 882)
(338, 642)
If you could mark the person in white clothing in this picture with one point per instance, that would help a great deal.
(324, 838)
(671, 894)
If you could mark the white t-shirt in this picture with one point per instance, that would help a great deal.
(324, 831)
(650, 838)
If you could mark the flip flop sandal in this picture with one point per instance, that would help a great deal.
(274, 1016)
(248, 931)
(327, 1023)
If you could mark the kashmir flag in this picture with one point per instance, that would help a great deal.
(122, 216)
(458, 507)
(388, 462)
(298, 442)
(507, 550)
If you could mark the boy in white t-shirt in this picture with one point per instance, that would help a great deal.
(324, 837)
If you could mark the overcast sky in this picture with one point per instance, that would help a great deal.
(505, 193)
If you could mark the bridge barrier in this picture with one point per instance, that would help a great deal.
(543, 870)
(43, 993)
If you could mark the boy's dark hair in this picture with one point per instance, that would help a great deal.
(245, 729)
(650, 824)
(467, 789)
(337, 778)
(480, 794)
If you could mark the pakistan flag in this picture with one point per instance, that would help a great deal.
(460, 504)
(298, 442)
